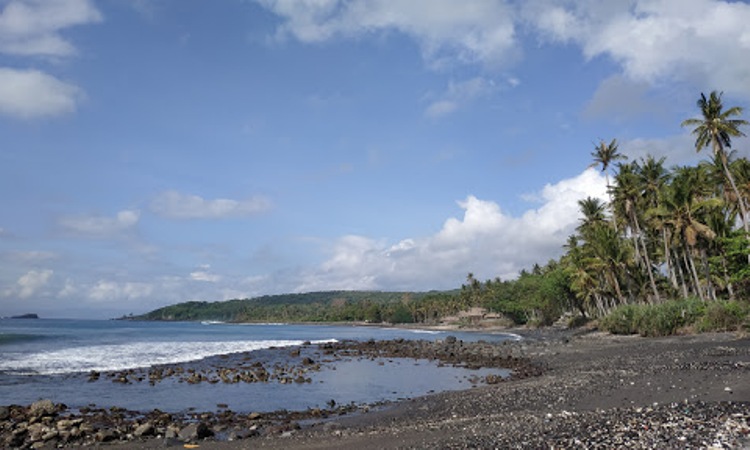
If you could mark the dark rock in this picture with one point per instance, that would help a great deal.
(195, 431)
(4, 413)
(450, 339)
(106, 436)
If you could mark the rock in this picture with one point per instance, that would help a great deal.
(67, 424)
(4, 413)
(146, 429)
(105, 436)
(195, 431)
(42, 408)
(450, 339)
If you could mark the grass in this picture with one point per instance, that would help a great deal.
(670, 317)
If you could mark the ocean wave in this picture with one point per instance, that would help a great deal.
(425, 331)
(15, 338)
(129, 356)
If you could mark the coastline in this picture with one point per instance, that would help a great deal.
(598, 390)
(594, 389)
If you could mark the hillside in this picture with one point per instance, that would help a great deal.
(328, 306)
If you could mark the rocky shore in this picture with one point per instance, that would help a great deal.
(45, 424)
(567, 391)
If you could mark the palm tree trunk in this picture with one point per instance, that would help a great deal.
(681, 274)
(647, 259)
(696, 281)
(668, 259)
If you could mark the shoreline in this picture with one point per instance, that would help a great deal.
(650, 391)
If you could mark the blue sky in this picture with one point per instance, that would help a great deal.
(158, 151)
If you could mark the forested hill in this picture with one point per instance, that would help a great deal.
(329, 306)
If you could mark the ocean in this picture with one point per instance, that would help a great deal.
(52, 358)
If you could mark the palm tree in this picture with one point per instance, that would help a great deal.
(628, 199)
(605, 155)
(716, 129)
(593, 213)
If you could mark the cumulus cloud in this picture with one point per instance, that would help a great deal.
(100, 226)
(29, 284)
(174, 205)
(486, 241)
(33, 27)
(31, 94)
(475, 31)
(703, 42)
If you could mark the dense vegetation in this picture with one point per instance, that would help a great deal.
(330, 306)
(669, 250)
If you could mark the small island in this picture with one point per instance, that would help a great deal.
(26, 316)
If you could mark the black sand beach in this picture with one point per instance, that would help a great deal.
(570, 391)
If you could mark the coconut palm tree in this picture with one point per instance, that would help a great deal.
(716, 128)
(628, 203)
(605, 155)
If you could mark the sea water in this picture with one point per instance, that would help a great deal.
(51, 358)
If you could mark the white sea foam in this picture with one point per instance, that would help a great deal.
(425, 331)
(130, 356)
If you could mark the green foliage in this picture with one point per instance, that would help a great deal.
(399, 313)
(668, 318)
(622, 320)
(329, 306)
(724, 316)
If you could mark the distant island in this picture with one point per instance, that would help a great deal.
(26, 316)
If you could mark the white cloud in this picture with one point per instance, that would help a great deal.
(485, 241)
(98, 226)
(703, 42)
(461, 93)
(29, 284)
(105, 290)
(33, 27)
(31, 94)
(204, 275)
(175, 205)
(470, 31)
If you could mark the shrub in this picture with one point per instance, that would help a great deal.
(724, 316)
(666, 318)
(577, 321)
(622, 320)
(662, 319)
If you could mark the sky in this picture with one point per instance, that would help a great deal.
(160, 151)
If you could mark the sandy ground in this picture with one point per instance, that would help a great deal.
(598, 391)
